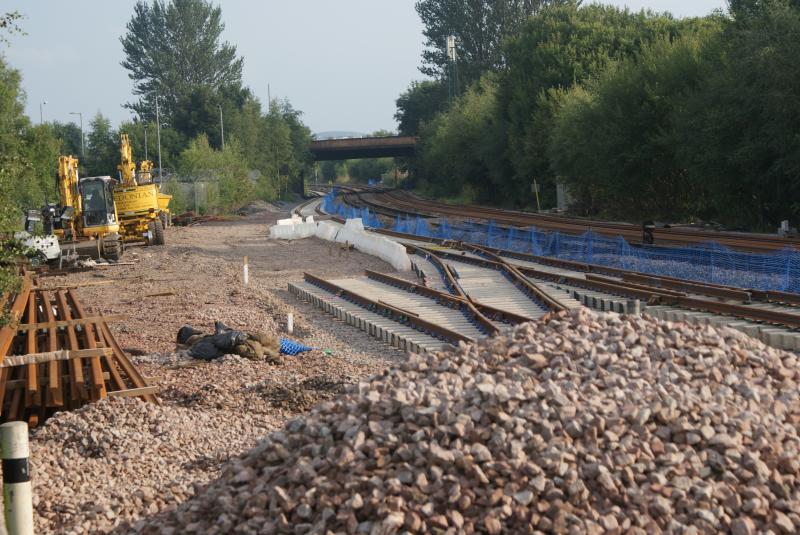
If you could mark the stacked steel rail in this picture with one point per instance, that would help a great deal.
(54, 356)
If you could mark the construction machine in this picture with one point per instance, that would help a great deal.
(86, 210)
(143, 210)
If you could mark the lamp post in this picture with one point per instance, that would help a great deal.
(221, 127)
(158, 137)
(41, 111)
(145, 141)
(80, 115)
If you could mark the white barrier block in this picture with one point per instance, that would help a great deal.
(354, 224)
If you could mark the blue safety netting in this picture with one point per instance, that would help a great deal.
(709, 262)
(289, 347)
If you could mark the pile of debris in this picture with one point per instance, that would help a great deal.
(579, 423)
(112, 461)
(227, 341)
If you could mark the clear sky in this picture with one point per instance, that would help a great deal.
(342, 62)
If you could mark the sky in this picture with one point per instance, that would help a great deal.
(341, 62)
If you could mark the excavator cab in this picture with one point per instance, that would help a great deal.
(98, 203)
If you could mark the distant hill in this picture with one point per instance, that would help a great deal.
(339, 133)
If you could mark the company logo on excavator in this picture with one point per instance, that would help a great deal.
(137, 195)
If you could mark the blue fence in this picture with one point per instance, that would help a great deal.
(710, 262)
(332, 206)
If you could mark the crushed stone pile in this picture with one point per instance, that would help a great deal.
(579, 423)
(110, 461)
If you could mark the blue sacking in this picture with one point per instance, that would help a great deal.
(289, 347)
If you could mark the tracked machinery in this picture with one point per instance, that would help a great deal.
(86, 211)
(143, 210)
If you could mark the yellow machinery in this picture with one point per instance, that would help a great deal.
(87, 209)
(143, 210)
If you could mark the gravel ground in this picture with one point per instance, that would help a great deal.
(578, 423)
(125, 460)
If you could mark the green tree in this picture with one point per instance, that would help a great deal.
(479, 27)
(615, 143)
(362, 171)
(557, 49)
(102, 148)
(201, 162)
(742, 125)
(172, 49)
(454, 148)
(69, 135)
(419, 104)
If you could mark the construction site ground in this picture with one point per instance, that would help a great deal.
(196, 279)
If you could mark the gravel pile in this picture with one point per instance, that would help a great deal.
(580, 423)
(117, 459)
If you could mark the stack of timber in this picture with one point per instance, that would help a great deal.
(55, 357)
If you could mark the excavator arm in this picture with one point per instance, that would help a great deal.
(127, 167)
(68, 183)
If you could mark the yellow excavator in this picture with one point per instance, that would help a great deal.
(143, 210)
(86, 210)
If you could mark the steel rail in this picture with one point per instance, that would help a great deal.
(392, 312)
(451, 300)
(552, 303)
(651, 294)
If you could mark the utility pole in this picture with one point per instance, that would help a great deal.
(79, 114)
(452, 63)
(41, 111)
(158, 137)
(221, 127)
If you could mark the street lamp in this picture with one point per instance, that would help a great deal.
(221, 127)
(41, 111)
(79, 114)
(158, 137)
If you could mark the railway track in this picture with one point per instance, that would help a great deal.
(392, 203)
(484, 276)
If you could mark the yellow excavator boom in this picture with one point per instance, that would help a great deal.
(68, 183)
(127, 167)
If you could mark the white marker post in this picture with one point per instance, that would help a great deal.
(290, 323)
(17, 496)
(246, 277)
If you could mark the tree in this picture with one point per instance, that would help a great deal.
(419, 104)
(69, 136)
(364, 170)
(172, 49)
(479, 27)
(102, 147)
(558, 48)
(9, 25)
(454, 145)
(615, 143)
(227, 167)
(743, 122)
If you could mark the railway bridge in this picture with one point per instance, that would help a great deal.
(363, 147)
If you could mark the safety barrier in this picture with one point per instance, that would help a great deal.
(709, 262)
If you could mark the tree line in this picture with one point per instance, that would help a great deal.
(640, 115)
(175, 57)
